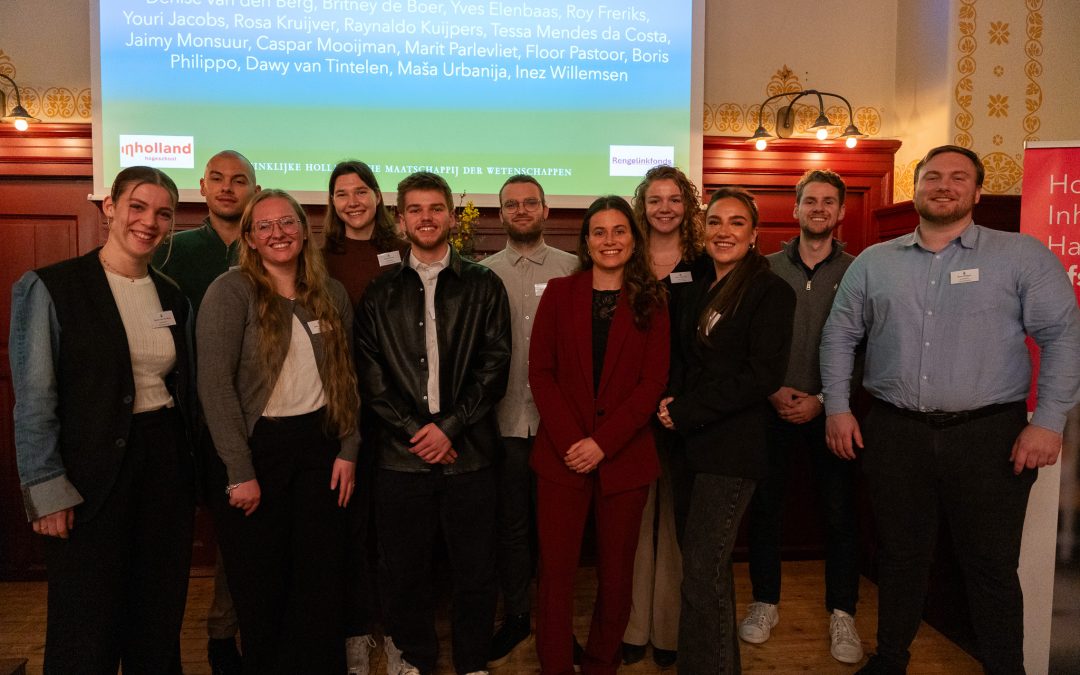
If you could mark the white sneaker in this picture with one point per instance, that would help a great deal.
(846, 646)
(758, 624)
(395, 665)
(358, 654)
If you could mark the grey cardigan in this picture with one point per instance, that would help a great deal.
(231, 386)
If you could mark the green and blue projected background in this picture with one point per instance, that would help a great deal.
(585, 95)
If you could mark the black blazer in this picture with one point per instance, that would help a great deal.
(721, 387)
(95, 384)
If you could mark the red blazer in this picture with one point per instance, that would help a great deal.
(561, 377)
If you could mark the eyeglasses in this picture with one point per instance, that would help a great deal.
(264, 229)
(530, 204)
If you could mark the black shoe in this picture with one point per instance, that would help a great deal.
(514, 631)
(665, 658)
(223, 656)
(579, 655)
(879, 666)
(631, 654)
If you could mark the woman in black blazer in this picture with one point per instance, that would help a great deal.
(733, 329)
(100, 364)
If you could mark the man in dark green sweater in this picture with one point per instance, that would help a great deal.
(193, 259)
(813, 264)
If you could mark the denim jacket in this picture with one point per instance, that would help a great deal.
(34, 351)
(74, 389)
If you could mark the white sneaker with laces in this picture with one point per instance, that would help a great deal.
(758, 624)
(358, 654)
(395, 664)
(845, 644)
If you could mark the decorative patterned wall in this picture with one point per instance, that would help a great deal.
(734, 119)
(50, 104)
(998, 96)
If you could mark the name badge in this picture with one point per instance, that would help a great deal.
(389, 258)
(681, 277)
(163, 319)
(315, 327)
(964, 276)
(538, 289)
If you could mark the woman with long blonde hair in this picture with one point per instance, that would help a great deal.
(279, 392)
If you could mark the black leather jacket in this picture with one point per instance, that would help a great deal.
(472, 314)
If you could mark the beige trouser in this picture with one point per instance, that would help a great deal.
(654, 611)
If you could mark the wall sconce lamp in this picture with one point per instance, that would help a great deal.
(19, 117)
(785, 120)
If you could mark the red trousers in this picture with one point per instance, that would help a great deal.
(561, 515)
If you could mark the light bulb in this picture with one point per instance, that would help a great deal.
(851, 141)
(760, 144)
(21, 125)
(822, 133)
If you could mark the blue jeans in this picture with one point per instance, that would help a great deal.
(835, 480)
(708, 642)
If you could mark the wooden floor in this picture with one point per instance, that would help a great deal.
(799, 644)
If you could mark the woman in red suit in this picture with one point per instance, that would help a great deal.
(597, 367)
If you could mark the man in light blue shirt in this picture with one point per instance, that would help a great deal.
(945, 311)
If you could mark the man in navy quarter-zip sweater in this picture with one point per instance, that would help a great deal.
(813, 263)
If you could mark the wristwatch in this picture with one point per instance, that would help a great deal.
(820, 397)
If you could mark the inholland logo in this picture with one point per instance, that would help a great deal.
(164, 152)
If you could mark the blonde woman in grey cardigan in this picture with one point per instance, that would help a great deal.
(278, 390)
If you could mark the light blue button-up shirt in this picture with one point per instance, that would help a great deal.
(945, 330)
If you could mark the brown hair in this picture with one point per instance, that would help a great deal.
(312, 292)
(385, 234)
(423, 180)
(523, 178)
(643, 292)
(820, 176)
(726, 301)
(980, 170)
(135, 176)
(691, 229)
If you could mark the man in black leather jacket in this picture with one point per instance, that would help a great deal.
(432, 356)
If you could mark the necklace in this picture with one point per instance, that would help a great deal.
(106, 265)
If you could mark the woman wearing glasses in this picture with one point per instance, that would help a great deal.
(101, 371)
(733, 331)
(278, 387)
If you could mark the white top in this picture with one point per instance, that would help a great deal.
(299, 388)
(150, 341)
(429, 275)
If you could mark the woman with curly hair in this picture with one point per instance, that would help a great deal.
(598, 364)
(279, 392)
(668, 206)
(733, 333)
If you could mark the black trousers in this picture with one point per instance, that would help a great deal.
(835, 480)
(410, 510)
(118, 585)
(362, 610)
(915, 472)
(285, 562)
(516, 524)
